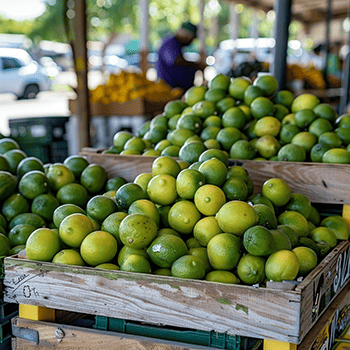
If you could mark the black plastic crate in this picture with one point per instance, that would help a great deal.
(195, 337)
(41, 137)
(6, 345)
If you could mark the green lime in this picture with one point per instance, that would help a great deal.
(251, 269)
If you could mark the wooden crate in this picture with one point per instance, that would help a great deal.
(285, 315)
(321, 183)
(137, 106)
(36, 335)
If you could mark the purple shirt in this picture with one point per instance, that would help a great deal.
(174, 75)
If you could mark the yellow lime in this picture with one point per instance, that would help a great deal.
(277, 191)
(236, 217)
(338, 225)
(162, 189)
(221, 276)
(205, 229)
(42, 245)
(107, 266)
(291, 153)
(183, 216)
(137, 231)
(304, 101)
(336, 156)
(74, 228)
(209, 199)
(267, 126)
(98, 247)
(282, 265)
(68, 257)
(59, 175)
(307, 260)
(224, 251)
(195, 94)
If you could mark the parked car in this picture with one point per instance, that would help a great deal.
(21, 75)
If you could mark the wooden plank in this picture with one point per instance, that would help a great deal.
(321, 183)
(77, 338)
(200, 305)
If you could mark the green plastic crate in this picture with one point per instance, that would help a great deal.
(6, 345)
(5, 331)
(38, 130)
(195, 337)
(7, 311)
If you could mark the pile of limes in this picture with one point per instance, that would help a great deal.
(202, 221)
(243, 120)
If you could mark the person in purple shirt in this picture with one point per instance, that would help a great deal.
(171, 65)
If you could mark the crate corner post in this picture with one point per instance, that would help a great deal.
(278, 345)
(36, 313)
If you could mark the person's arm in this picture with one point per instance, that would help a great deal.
(180, 61)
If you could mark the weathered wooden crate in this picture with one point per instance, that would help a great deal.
(285, 315)
(321, 183)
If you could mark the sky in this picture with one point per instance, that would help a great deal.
(21, 9)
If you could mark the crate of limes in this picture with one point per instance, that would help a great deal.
(194, 247)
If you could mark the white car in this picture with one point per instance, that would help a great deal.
(21, 75)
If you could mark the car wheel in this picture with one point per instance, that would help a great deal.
(30, 91)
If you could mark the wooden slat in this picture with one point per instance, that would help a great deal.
(321, 183)
(77, 338)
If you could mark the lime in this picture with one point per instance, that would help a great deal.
(74, 228)
(300, 203)
(267, 217)
(291, 153)
(7, 144)
(136, 263)
(238, 86)
(27, 218)
(236, 217)
(284, 97)
(221, 276)
(144, 206)
(338, 225)
(164, 250)
(190, 152)
(68, 257)
(214, 171)
(268, 146)
(73, 193)
(194, 95)
(129, 193)
(99, 207)
(251, 93)
(187, 183)
(304, 118)
(59, 175)
(235, 189)
(326, 111)
(287, 132)
(304, 101)
(220, 81)
(277, 191)
(93, 178)
(336, 156)
(258, 241)
(19, 234)
(15, 205)
(162, 189)
(209, 199)
(295, 221)
(307, 260)
(76, 164)
(188, 266)
(282, 241)
(224, 251)
(33, 183)
(183, 216)
(233, 118)
(267, 83)
(228, 136)
(42, 245)
(98, 247)
(282, 265)
(251, 269)
(63, 211)
(223, 105)
(137, 231)
(44, 205)
(262, 107)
